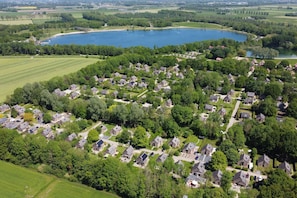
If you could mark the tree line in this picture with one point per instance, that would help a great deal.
(283, 35)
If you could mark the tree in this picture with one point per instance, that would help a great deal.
(182, 115)
(240, 82)
(96, 109)
(284, 63)
(79, 108)
(218, 161)
(124, 137)
(266, 107)
(226, 181)
(229, 149)
(47, 118)
(292, 108)
(93, 136)
(135, 115)
(17, 97)
(171, 128)
(28, 117)
(198, 128)
(214, 192)
(120, 114)
(13, 113)
(237, 136)
(278, 184)
(273, 89)
(19, 150)
(232, 156)
(269, 64)
(140, 139)
(213, 129)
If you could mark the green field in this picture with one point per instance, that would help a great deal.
(16, 22)
(17, 71)
(16, 181)
(197, 25)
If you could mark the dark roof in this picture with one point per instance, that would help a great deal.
(82, 142)
(208, 107)
(143, 156)
(213, 97)
(241, 178)
(189, 146)
(207, 147)
(217, 175)
(245, 158)
(285, 166)
(245, 115)
(248, 101)
(99, 143)
(250, 94)
(2, 120)
(162, 157)
(264, 158)
(199, 168)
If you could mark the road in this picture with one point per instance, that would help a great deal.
(139, 151)
(232, 119)
(85, 133)
(142, 93)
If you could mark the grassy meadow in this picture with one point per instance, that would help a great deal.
(17, 71)
(16, 181)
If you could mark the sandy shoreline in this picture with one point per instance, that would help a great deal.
(85, 32)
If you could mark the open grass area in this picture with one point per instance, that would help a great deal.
(17, 71)
(65, 189)
(20, 182)
(197, 25)
(16, 22)
(16, 181)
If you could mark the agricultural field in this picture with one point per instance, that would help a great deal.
(17, 71)
(16, 22)
(276, 13)
(17, 182)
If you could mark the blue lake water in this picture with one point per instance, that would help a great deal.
(151, 38)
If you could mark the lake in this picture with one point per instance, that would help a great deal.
(150, 38)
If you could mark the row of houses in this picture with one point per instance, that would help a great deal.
(196, 176)
(73, 92)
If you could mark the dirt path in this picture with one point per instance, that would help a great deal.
(43, 192)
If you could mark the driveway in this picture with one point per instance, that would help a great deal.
(257, 174)
(232, 119)
(84, 134)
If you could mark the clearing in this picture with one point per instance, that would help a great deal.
(17, 71)
(16, 181)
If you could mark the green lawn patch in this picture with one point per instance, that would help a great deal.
(66, 189)
(208, 141)
(17, 71)
(16, 181)
(192, 138)
(21, 182)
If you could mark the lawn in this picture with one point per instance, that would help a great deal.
(65, 189)
(17, 71)
(20, 182)
(16, 22)
(16, 181)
